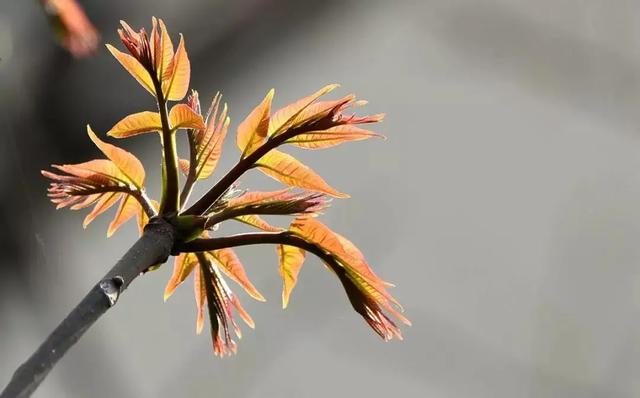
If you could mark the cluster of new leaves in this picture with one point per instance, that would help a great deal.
(307, 123)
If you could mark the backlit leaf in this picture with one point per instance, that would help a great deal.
(128, 208)
(210, 140)
(252, 132)
(175, 81)
(257, 222)
(184, 165)
(100, 183)
(254, 197)
(291, 260)
(181, 116)
(137, 123)
(352, 259)
(285, 117)
(128, 164)
(232, 267)
(286, 169)
(316, 232)
(162, 47)
(331, 137)
(103, 204)
(201, 297)
(134, 68)
(182, 267)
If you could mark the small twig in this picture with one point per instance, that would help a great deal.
(254, 238)
(152, 248)
(245, 164)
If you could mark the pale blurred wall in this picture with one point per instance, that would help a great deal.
(505, 204)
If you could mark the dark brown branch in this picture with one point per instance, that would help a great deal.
(152, 248)
(256, 238)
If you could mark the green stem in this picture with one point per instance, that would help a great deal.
(193, 165)
(170, 202)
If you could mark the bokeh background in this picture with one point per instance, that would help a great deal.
(505, 204)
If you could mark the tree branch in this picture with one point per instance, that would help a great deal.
(254, 238)
(153, 247)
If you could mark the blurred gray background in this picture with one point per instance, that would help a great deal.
(505, 204)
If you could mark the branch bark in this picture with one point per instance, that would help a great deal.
(153, 247)
(254, 238)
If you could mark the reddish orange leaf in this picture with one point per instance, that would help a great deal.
(175, 80)
(285, 117)
(316, 232)
(103, 204)
(201, 297)
(322, 109)
(252, 132)
(232, 267)
(128, 164)
(128, 208)
(181, 116)
(99, 182)
(221, 301)
(137, 123)
(161, 47)
(331, 137)
(182, 267)
(257, 222)
(291, 260)
(210, 140)
(134, 67)
(286, 169)
(184, 165)
(358, 270)
(254, 197)
(99, 171)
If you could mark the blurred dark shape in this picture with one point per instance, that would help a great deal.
(72, 27)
